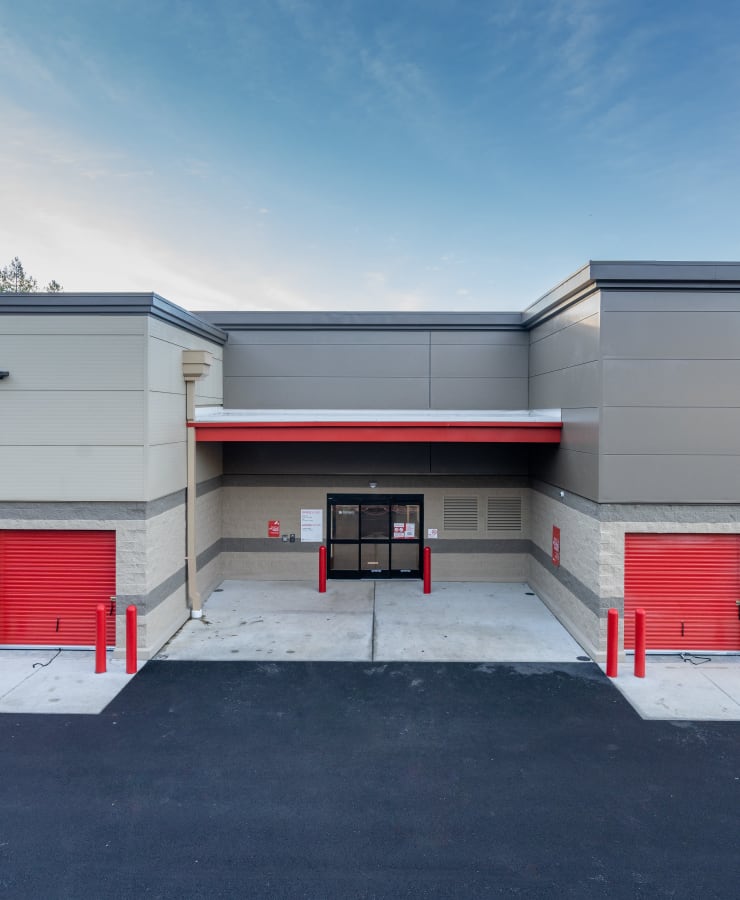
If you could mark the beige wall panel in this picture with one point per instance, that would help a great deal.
(583, 625)
(209, 515)
(73, 362)
(270, 566)
(210, 576)
(580, 537)
(165, 363)
(165, 546)
(208, 461)
(74, 325)
(499, 567)
(156, 627)
(166, 470)
(72, 473)
(166, 418)
(58, 418)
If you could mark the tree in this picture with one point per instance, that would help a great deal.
(15, 280)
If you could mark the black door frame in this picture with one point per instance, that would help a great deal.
(375, 500)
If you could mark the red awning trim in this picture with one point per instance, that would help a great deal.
(490, 432)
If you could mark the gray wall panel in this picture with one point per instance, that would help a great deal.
(478, 360)
(670, 301)
(311, 337)
(671, 382)
(649, 430)
(567, 317)
(578, 343)
(581, 430)
(576, 386)
(480, 393)
(675, 335)
(474, 459)
(567, 469)
(483, 338)
(325, 459)
(326, 393)
(355, 361)
(664, 478)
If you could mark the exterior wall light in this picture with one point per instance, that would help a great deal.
(4, 375)
(372, 484)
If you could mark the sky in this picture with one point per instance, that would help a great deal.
(364, 154)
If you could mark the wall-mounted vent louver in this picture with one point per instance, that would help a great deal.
(504, 514)
(461, 513)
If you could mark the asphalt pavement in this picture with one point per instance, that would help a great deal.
(368, 780)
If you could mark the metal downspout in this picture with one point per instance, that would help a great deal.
(194, 601)
(195, 364)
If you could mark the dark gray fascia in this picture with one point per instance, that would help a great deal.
(626, 275)
(239, 320)
(90, 304)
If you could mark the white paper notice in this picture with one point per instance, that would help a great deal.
(312, 525)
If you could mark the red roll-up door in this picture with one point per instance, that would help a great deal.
(51, 583)
(688, 585)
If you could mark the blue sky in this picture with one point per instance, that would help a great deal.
(416, 154)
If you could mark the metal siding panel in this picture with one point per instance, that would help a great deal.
(166, 415)
(327, 393)
(670, 301)
(71, 473)
(326, 459)
(574, 387)
(671, 382)
(672, 335)
(580, 430)
(569, 347)
(73, 418)
(649, 430)
(465, 360)
(311, 337)
(354, 361)
(481, 338)
(480, 393)
(51, 583)
(570, 470)
(688, 585)
(664, 478)
(166, 469)
(577, 312)
(57, 325)
(73, 362)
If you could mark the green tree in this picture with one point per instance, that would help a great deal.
(15, 280)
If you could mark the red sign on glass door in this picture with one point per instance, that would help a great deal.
(555, 545)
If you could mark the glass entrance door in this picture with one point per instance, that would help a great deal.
(375, 535)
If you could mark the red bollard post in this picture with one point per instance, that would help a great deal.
(100, 660)
(131, 640)
(640, 643)
(322, 570)
(427, 570)
(612, 642)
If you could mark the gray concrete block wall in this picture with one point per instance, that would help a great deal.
(571, 590)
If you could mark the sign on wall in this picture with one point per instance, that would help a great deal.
(273, 528)
(555, 545)
(403, 530)
(312, 525)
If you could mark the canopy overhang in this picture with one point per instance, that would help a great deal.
(213, 424)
